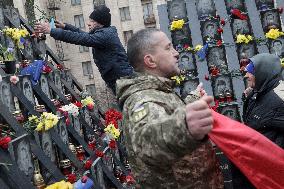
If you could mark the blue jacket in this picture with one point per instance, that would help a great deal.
(108, 52)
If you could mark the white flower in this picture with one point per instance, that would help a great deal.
(14, 79)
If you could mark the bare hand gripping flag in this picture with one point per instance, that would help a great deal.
(257, 157)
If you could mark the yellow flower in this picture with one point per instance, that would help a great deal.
(177, 25)
(60, 185)
(39, 126)
(112, 131)
(33, 118)
(87, 101)
(282, 62)
(198, 47)
(47, 121)
(274, 34)
(178, 79)
(244, 38)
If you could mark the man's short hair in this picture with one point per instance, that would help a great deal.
(138, 45)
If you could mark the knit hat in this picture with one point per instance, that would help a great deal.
(101, 14)
(250, 68)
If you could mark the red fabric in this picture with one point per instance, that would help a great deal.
(257, 157)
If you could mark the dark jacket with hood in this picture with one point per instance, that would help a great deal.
(264, 106)
(108, 52)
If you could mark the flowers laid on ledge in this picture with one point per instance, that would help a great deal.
(178, 79)
(44, 123)
(282, 62)
(4, 141)
(273, 34)
(88, 102)
(14, 79)
(17, 35)
(61, 184)
(111, 119)
(112, 131)
(70, 109)
(177, 25)
(244, 38)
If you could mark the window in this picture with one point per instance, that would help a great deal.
(127, 35)
(99, 2)
(83, 49)
(124, 14)
(87, 68)
(148, 14)
(91, 89)
(148, 10)
(79, 21)
(76, 2)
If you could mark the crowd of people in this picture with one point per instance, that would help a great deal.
(166, 136)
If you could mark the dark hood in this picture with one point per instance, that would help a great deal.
(267, 69)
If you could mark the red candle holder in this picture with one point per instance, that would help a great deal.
(65, 166)
(221, 98)
(229, 97)
(80, 153)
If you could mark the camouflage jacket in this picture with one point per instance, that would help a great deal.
(161, 151)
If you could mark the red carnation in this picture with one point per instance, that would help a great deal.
(60, 67)
(186, 46)
(92, 146)
(88, 164)
(130, 179)
(84, 179)
(238, 14)
(219, 43)
(99, 153)
(71, 178)
(78, 104)
(90, 106)
(46, 69)
(206, 77)
(222, 22)
(220, 30)
(67, 121)
(4, 142)
(112, 144)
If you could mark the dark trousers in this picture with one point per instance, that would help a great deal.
(240, 181)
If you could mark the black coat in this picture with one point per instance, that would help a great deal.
(264, 107)
(108, 52)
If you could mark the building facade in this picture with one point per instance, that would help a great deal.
(128, 16)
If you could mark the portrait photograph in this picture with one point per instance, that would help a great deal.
(209, 29)
(277, 46)
(270, 18)
(181, 36)
(177, 10)
(240, 27)
(230, 110)
(205, 8)
(249, 50)
(44, 85)
(217, 57)
(221, 85)
(186, 62)
(188, 86)
(26, 86)
(6, 94)
(20, 152)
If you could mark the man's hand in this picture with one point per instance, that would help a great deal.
(59, 24)
(42, 28)
(201, 90)
(248, 91)
(199, 117)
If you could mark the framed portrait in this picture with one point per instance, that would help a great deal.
(20, 152)
(246, 50)
(188, 86)
(270, 19)
(6, 95)
(205, 8)
(44, 85)
(268, 3)
(57, 80)
(28, 49)
(235, 4)
(209, 29)
(181, 36)
(222, 84)
(187, 62)
(177, 10)
(44, 140)
(26, 87)
(277, 46)
(62, 131)
(231, 111)
(217, 56)
(77, 125)
(240, 27)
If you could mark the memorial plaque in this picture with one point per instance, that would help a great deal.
(188, 86)
(222, 84)
(186, 62)
(235, 4)
(28, 49)
(47, 145)
(270, 19)
(248, 50)
(57, 80)
(62, 131)
(26, 87)
(177, 10)
(277, 47)
(217, 57)
(44, 85)
(240, 27)
(181, 36)
(264, 4)
(205, 8)
(20, 152)
(77, 125)
(209, 29)
(5, 93)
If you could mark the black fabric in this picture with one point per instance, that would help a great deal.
(263, 108)
(102, 15)
(108, 52)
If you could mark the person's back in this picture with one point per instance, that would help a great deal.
(165, 146)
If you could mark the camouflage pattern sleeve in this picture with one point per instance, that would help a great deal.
(192, 96)
(159, 136)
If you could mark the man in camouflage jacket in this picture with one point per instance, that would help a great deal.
(166, 138)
